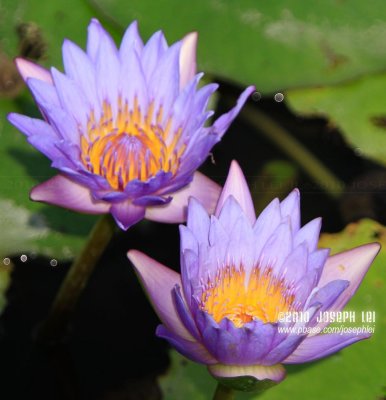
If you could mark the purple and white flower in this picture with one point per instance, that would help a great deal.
(240, 274)
(125, 127)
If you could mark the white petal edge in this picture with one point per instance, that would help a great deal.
(158, 282)
(63, 192)
(236, 186)
(28, 69)
(202, 188)
(188, 58)
(272, 372)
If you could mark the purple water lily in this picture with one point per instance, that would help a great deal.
(240, 275)
(125, 127)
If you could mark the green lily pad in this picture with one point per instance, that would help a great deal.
(357, 108)
(356, 372)
(272, 44)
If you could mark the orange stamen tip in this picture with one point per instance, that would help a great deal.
(131, 144)
(263, 297)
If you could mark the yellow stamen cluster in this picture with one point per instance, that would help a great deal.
(263, 297)
(130, 145)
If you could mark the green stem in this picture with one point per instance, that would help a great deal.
(76, 279)
(223, 393)
(287, 143)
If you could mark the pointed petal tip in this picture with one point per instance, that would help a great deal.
(351, 265)
(94, 21)
(374, 247)
(295, 194)
(188, 51)
(131, 254)
(189, 43)
(29, 69)
(126, 214)
(369, 251)
(235, 169)
(134, 24)
(236, 185)
(158, 282)
(63, 192)
(35, 194)
(137, 258)
(224, 121)
(11, 117)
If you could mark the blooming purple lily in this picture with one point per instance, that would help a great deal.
(240, 274)
(124, 127)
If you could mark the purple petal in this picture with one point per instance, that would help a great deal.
(71, 98)
(29, 69)
(260, 372)
(189, 275)
(184, 313)
(304, 287)
(240, 249)
(63, 192)
(153, 51)
(231, 345)
(290, 207)
(201, 188)
(237, 186)
(218, 240)
(44, 93)
(277, 248)
(295, 265)
(78, 66)
(126, 214)
(188, 58)
(197, 150)
(283, 348)
(190, 349)
(187, 240)
(223, 122)
(198, 221)
(265, 225)
(281, 352)
(315, 347)
(230, 214)
(39, 133)
(317, 259)
(134, 89)
(185, 117)
(217, 233)
(327, 295)
(152, 200)
(164, 83)
(350, 265)
(94, 37)
(63, 123)
(130, 41)
(159, 282)
(136, 188)
(108, 71)
(201, 100)
(249, 344)
(309, 233)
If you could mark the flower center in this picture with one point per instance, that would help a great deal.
(263, 297)
(130, 145)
